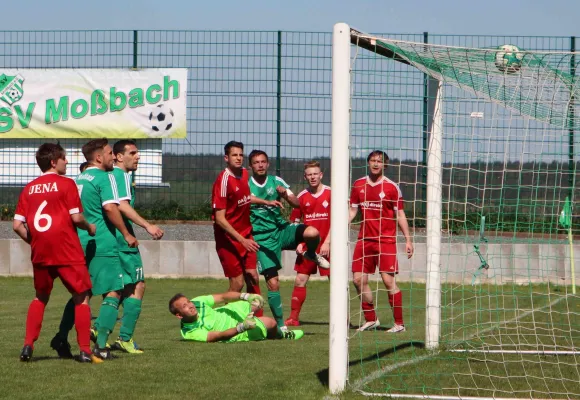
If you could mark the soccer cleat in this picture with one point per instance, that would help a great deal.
(367, 326)
(292, 335)
(103, 354)
(317, 259)
(94, 334)
(397, 329)
(26, 353)
(128, 346)
(292, 322)
(62, 347)
(89, 358)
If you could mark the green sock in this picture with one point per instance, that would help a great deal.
(275, 303)
(131, 312)
(106, 320)
(68, 320)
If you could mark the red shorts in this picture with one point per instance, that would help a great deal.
(307, 267)
(368, 255)
(75, 278)
(235, 259)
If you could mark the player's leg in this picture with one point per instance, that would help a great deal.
(298, 294)
(231, 263)
(269, 261)
(43, 283)
(274, 297)
(274, 331)
(311, 237)
(363, 264)
(251, 276)
(77, 280)
(132, 298)
(106, 276)
(389, 267)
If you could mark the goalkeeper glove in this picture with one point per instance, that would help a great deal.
(247, 324)
(254, 299)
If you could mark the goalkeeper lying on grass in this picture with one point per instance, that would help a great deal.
(233, 322)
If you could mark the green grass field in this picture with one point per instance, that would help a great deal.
(379, 362)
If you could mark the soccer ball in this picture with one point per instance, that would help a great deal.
(508, 58)
(14, 94)
(161, 119)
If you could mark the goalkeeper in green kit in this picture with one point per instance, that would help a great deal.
(233, 322)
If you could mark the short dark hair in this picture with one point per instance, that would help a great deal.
(378, 153)
(48, 152)
(119, 147)
(83, 166)
(231, 144)
(172, 308)
(91, 147)
(256, 153)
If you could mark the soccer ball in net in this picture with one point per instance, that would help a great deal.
(161, 119)
(508, 58)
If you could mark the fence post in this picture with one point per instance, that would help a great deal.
(279, 104)
(425, 141)
(571, 123)
(135, 49)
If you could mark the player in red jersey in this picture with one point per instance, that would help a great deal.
(235, 244)
(314, 211)
(381, 203)
(49, 209)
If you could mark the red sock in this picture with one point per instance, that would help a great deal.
(298, 297)
(34, 321)
(255, 288)
(83, 326)
(369, 311)
(396, 302)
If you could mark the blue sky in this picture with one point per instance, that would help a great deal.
(510, 17)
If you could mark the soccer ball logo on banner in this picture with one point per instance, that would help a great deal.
(508, 58)
(161, 119)
(11, 88)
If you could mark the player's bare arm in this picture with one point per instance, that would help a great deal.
(288, 196)
(325, 248)
(404, 225)
(220, 219)
(80, 222)
(114, 215)
(351, 214)
(21, 230)
(132, 215)
(272, 203)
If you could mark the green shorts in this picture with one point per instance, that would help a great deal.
(132, 266)
(106, 274)
(271, 246)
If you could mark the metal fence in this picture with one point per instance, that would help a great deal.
(270, 90)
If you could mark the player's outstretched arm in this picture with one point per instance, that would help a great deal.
(80, 222)
(272, 203)
(287, 195)
(132, 215)
(114, 215)
(21, 230)
(254, 299)
(404, 225)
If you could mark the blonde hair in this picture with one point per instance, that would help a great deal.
(311, 164)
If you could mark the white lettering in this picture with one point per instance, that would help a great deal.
(316, 216)
(43, 188)
(372, 204)
(244, 200)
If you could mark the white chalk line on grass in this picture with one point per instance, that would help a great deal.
(357, 385)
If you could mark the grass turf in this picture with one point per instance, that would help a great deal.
(171, 368)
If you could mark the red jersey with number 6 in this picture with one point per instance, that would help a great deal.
(46, 205)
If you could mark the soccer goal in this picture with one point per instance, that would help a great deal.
(482, 143)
